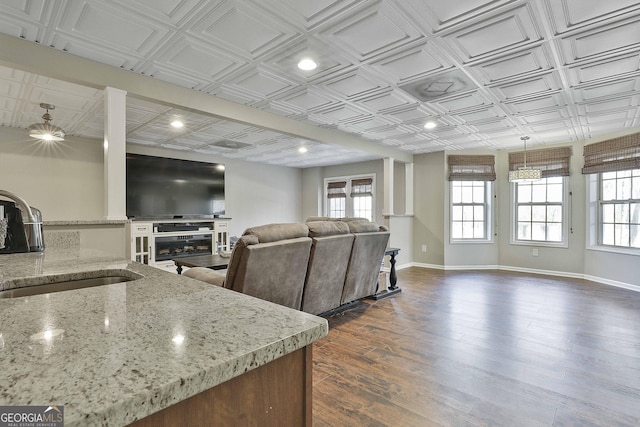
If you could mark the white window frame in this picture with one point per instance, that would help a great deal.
(488, 220)
(594, 219)
(349, 199)
(564, 243)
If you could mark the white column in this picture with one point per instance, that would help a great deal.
(115, 104)
(388, 187)
(408, 185)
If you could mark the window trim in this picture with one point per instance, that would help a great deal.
(564, 243)
(593, 220)
(349, 200)
(489, 219)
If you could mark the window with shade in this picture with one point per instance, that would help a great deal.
(471, 180)
(540, 208)
(613, 167)
(350, 197)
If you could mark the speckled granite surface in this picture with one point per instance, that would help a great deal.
(116, 353)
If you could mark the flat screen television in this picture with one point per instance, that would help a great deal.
(159, 187)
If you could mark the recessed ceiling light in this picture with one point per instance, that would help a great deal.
(307, 64)
(430, 124)
(302, 150)
(177, 124)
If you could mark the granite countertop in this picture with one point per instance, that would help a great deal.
(116, 353)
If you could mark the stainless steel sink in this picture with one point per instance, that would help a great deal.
(67, 285)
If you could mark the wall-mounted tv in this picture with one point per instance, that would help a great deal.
(159, 187)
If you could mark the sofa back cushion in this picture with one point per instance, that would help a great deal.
(273, 271)
(327, 228)
(275, 232)
(364, 265)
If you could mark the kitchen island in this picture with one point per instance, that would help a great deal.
(161, 344)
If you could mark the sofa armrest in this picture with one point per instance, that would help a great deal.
(205, 275)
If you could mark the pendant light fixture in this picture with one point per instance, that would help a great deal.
(525, 174)
(46, 131)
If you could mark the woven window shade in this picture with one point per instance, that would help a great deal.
(616, 154)
(336, 190)
(471, 168)
(361, 187)
(551, 161)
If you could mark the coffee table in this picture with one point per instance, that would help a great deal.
(214, 262)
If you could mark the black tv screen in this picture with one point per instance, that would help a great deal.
(159, 187)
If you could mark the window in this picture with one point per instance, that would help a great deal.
(619, 208)
(470, 210)
(470, 195)
(614, 193)
(539, 210)
(350, 197)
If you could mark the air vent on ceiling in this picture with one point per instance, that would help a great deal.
(435, 87)
(232, 145)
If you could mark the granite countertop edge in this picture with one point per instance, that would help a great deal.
(281, 331)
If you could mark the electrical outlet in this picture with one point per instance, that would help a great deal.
(534, 251)
(424, 248)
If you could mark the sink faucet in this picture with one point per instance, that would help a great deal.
(33, 225)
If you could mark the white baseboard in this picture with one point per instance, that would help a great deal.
(604, 281)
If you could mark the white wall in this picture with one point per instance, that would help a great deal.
(255, 194)
(64, 180)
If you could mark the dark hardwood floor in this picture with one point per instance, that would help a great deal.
(482, 348)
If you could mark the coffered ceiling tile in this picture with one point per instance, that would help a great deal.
(567, 15)
(462, 102)
(166, 10)
(519, 65)
(442, 15)
(311, 14)
(308, 100)
(241, 29)
(262, 84)
(607, 69)
(354, 85)
(233, 93)
(498, 34)
(535, 86)
(607, 90)
(372, 32)
(470, 117)
(492, 126)
(607, 40)
(24, 19)
(411, 113)
(196, 60)
(608, 105)
(620, 116)
(95, 22)
(544, 102)
(391, 101)
(549, 126)
(553, 115)
(368, 123)
(342, 113)
(411, 64)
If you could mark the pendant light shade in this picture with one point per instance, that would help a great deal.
(525, 174)
(46, 131)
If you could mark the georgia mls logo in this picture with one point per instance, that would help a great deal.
(31, 416)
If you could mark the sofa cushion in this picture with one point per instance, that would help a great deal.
(327, 228)
(206, 275)
(362, 226)
(274, 232)
(234, 261)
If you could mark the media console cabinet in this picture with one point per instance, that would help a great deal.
(158, 242)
